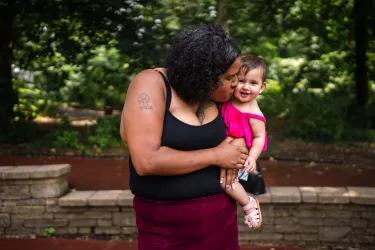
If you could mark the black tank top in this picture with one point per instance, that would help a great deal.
(182, 136)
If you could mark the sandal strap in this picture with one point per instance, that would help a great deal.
(255, 214)
(252, 220)
(252, 204)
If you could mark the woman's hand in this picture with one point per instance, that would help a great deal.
(228, 177)
(230, 156)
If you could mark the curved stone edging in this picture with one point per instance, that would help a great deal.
(285, 195)
(34, 198)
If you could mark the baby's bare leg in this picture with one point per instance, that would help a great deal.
(238, 193)
(250, 205)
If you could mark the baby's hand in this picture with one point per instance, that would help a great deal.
(250, 164)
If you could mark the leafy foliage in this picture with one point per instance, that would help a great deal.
(105, 133)
(68, 137)
(49, 232)
(84, 53)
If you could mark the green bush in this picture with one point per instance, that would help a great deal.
(358, 135)
(316, 117)
(103, 135)
(272, 102)
(30, 99)
(106, 133)
(68, 137)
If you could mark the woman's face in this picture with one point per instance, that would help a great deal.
(228, 81)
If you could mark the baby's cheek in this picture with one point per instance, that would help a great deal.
(237, 94)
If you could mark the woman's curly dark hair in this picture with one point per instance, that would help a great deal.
(197, 59)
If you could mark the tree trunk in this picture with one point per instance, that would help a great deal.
(222, 13)
(7, 95)
(361, 39)
(283, 50)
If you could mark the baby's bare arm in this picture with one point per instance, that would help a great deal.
(258, 129)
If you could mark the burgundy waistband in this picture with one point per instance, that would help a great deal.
(183, 202)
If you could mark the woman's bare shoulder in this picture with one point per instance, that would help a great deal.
(147, 75)
(148, 79)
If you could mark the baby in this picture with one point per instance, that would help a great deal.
(245, 123)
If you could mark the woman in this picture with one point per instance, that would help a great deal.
(177, 142)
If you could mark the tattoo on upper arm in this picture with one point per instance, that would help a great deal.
(143, 101)
(202, 109)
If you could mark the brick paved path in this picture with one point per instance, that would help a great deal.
(64, 244)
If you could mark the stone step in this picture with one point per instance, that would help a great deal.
(97, 198)
(362, 195)
(75, 199)
(28, 182)
(324, 195)
(34, 172)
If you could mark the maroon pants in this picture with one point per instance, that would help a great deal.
(208, 223)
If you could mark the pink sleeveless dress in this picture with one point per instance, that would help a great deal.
(237, 124)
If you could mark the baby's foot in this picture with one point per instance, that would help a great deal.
(253, 216)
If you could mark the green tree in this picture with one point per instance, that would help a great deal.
(309, 29)
(32, 29)
(222, 13)
(361, 10)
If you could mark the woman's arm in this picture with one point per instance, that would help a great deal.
(142, 125)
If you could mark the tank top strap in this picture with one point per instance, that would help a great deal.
(169, 91)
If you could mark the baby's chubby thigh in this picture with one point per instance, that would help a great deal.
(239, 142)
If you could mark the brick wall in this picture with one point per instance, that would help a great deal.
(35, 198)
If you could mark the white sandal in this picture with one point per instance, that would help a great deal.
(254, 219)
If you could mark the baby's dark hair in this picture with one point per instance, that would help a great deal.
(197, 59)
(251, 62)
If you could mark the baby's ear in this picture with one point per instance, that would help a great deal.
(264, 84)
